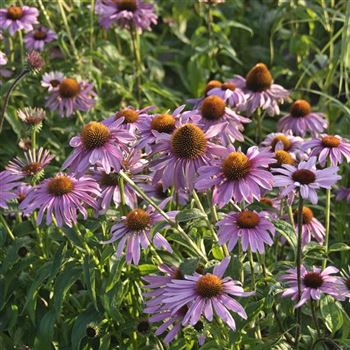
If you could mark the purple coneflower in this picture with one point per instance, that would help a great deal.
(183, 152)
(313, 283)
(8, 183)
(334, 148)
(343, 193)
(204, 294)
(282, 141)
(213, 111)
(230, 93)
(311, 226)
(283, 157)
(301, 120)
(306, 178)
(134, 229)
(253, 229)
(38, 38)
(52, 80)
(126, 14)
(31, 116)
(260, 90)
(98, 144)
(22, 191)
(71, 95)
(15, 18)
(32, 164)
(62, 196)
(133, 118)
(133, 165)
(150, 127)
(238, 176)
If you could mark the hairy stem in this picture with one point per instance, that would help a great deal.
(327, 226)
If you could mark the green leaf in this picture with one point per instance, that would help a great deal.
(189, 266)
(45, 335)
(189, 214)
(287, 231)
(338, 247)
(331, 312)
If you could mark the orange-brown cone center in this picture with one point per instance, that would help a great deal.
(163, 123)
(308, 215)
(236, 166)
(266, 201)
(259, 78)
(330, 141)
(14, 12)
(304, 176)
(32, 168)
(94, 135)
(188, 141)
(60, 185)
(248, 219)
(137, 219)
(287, 144)
(313, 280)
(283, 157)
(130, 115)
(211, 85)
(126, 5)
(213, 108)
(228, 86)
(300, 108)
(40, 35)
(209, 286)
(69, 88)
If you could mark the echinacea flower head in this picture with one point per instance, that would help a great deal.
(301, 120)
(15, 18)
(132, 118)
(343, 193)
(98, 144)
(237, 176)
(311, 228)
(132, 165)
(306, 178)
(62, 196)
(283, 157)
(126, 14)
(8, 183)
(22, 191)
(38, 38)
(345, 276)
(134, 230)
(32, 164)
(260, 90)
(183, 152)
(314, 283)
(329, 147)
(52, 80)
(213, 111)
(71, 95)
(282, 141)
(31, 116)
(35, 61)
(206, 295)
(252, 228)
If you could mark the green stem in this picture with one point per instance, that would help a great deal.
(122, 195)
(175, 225)
(137, 58)
(251, 264)
(8, 94)
(258, 126)
(34, 138)
(240, 260)
(7, 227)
(327, 226)
(314, 318)
(298, 264)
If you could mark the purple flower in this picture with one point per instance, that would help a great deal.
(302, 120)
(311, 226)
(35, 61)
(251, 227)
(134, 230)
(306, 178)
(313, 283)
(282, 141)
(62, 196)
(8, 183)
(33, 163)
(151, 126)
(133, 165)
(206, 294)
(260, 91)
(213, 111)
(343, 193)
(52, 80)
(238, 176)
(15, 18)
(100, 145)
(38, 38)
(71, 96)
(132, 118)
(182, 153)
(22, 191)
(126, 14)
(334, 148)
(230, 93)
